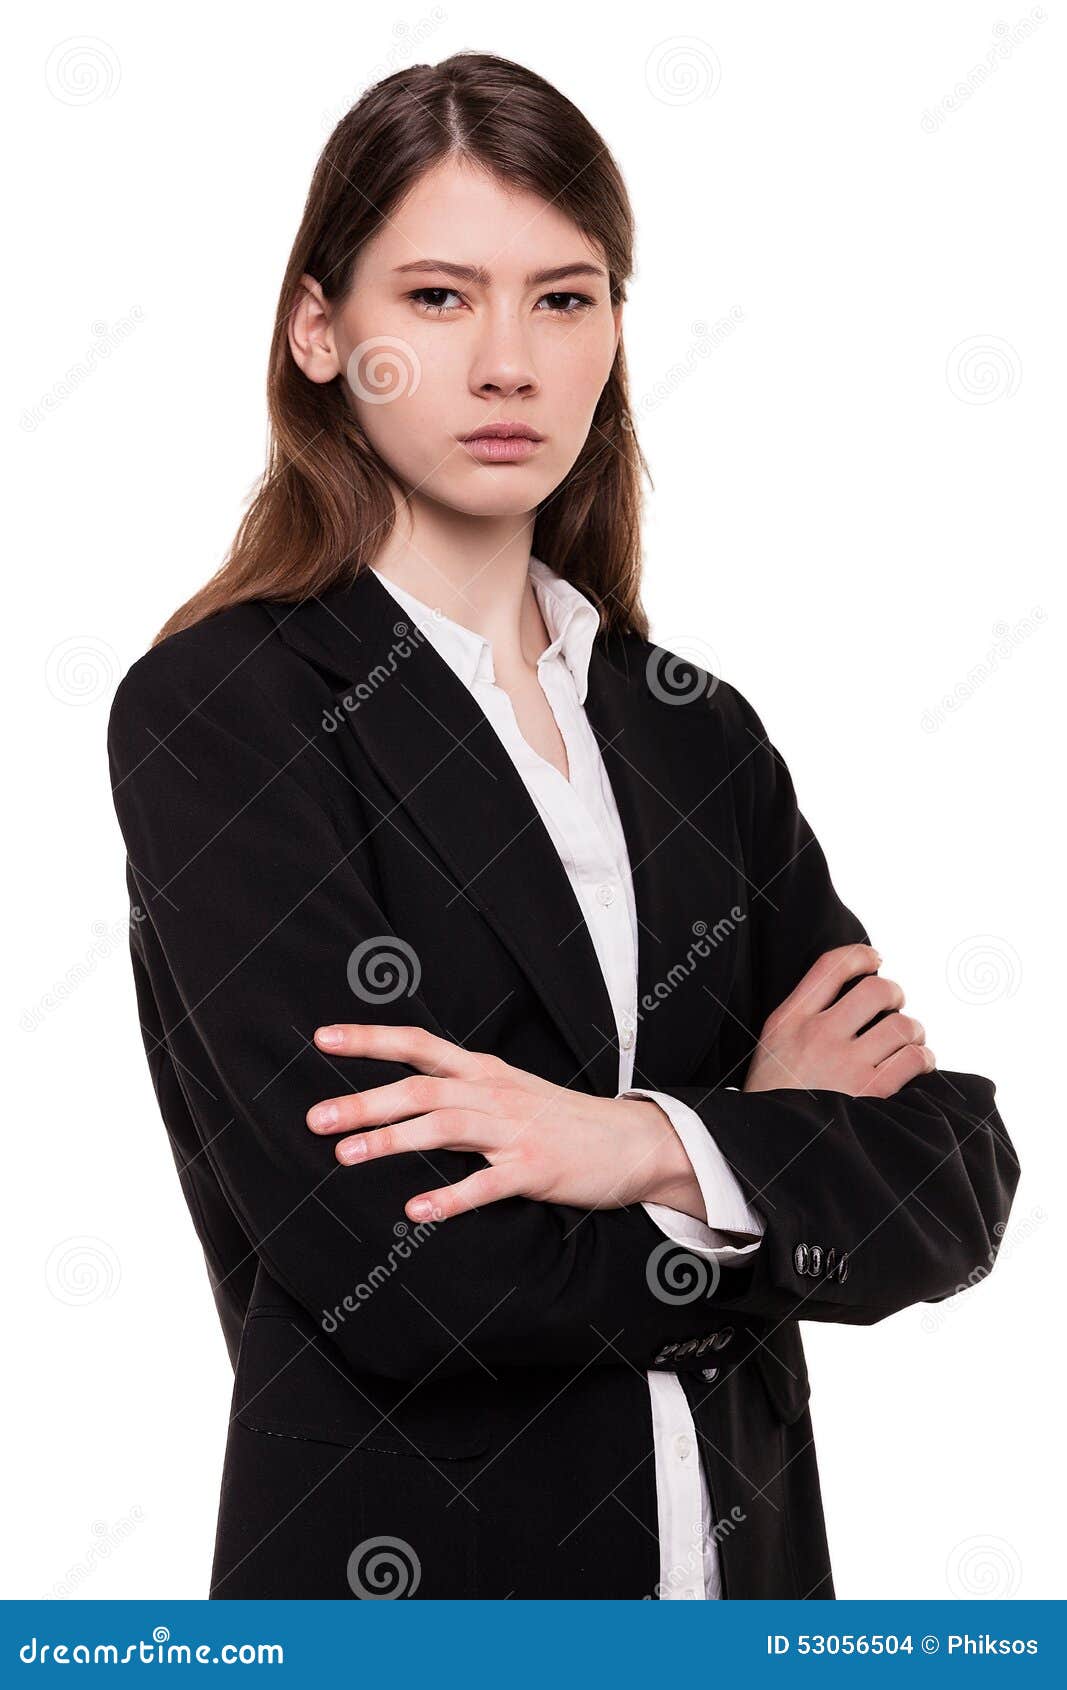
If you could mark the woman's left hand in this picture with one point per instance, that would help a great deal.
(541, 1140)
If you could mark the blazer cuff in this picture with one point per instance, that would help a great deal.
(726, 1210)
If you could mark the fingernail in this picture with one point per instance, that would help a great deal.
(329, 1035)
(323, 1115)
(354, 1151)
(422, 1209)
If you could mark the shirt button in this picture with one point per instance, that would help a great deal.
(606, 893)
(683, 1445)
(627, 1038)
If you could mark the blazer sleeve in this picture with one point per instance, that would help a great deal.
(251, 905)
(869, 1205)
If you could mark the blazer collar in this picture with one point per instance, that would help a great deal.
(429, 740)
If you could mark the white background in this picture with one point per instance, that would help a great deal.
(854, 503)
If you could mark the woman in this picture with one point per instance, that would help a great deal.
(465, 911)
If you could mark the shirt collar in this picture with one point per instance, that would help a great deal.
(572, 620)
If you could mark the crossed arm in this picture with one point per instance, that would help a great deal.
(251, 906)
(555, 1145)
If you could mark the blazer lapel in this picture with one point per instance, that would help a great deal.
(669, 769)
(433, 746)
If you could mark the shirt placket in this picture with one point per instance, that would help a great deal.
(583, 820)
(612, 918)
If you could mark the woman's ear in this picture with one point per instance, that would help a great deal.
(310, 333)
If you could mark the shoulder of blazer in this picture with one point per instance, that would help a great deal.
(237, 672)
(227, 694)
(230, 671)
(673, 678)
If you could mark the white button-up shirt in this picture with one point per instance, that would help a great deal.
(583, 821)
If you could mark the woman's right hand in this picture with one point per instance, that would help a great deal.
(811, 1042)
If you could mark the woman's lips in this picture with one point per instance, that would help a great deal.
(507, 449)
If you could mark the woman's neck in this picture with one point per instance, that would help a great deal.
(479, 579)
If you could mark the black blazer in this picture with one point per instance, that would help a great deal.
(294, 784)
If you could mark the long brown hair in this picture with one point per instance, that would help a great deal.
(324, 505)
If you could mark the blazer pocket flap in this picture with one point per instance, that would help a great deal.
(292, 1381)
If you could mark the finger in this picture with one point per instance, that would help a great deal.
(443, 1129)
(904, 1065)
(889, 1035)
(415, 1045)
(415, 1094)
(861, 1003)
(817, 989)
(486, 1186)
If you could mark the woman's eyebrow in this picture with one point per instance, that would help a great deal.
(477, 272)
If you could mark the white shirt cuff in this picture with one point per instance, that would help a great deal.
(724, 1202)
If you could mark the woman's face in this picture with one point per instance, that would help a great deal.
(475, 303)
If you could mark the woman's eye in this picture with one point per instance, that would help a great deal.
(572, 311)
(430, 300)
(419, 297)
